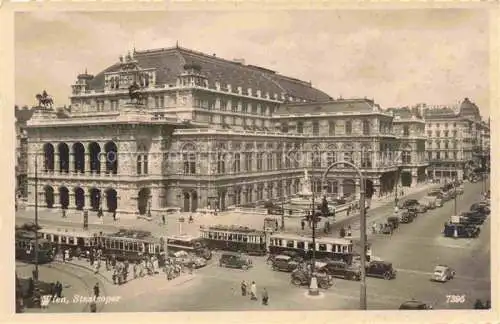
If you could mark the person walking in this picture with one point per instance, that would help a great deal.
(302, 224)
(243, 288)
(253, 291)
(96, 290)
(349, 231)
(265, 297)
(163, 219)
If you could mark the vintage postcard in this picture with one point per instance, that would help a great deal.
(296, 159)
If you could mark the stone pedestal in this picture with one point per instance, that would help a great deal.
(313, 287)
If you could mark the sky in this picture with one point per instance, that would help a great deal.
(396, 57)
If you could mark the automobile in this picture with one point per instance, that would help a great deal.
(437, 196)
(188, 259)
(341, 269)
(387, 228)
(235, 260)
(381, 269)
(302, 276)
(394, 221)
(284, 263)
(415, 305)
(428, 203)
(413, 204)
(460, 230)
(294, 255)
(472, 217)
(480, 207)
(407, 216)
(442, 273)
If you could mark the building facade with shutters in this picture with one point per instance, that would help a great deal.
(454, 140)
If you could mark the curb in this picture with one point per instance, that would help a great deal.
(85, 268)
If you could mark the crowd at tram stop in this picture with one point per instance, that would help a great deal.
(251, 290)
(144, 265)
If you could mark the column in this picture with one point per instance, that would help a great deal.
(102, 161)
(57, 167)
(414, 178)
(57, 199)
(340, 187)
(71, 166)
(87, 163)
(104, 201)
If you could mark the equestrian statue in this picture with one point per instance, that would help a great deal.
(44, 100)
(134, 92)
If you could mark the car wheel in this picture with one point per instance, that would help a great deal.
(244, 267)
(296, 282)
(275, 268)
(387, 276)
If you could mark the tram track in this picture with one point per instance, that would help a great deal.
(83, 279)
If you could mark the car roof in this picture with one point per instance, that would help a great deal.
(440, 267)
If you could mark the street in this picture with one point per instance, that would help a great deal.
(414, 249)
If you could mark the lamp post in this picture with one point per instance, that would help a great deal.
(313, 285)
(362, 297)
(35, 272)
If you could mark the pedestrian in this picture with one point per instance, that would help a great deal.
(114, 276)
(59, 289)
(191, 218)
(265, 297)
(163, 219)
(64, 213)
(349, 231)
(114, 215)
(63, 256)
(93, 307)
(374, 228)
(66, 255)
(302, 224)
(342, 232)
(253, 291)
(96, 289)
(275, 224)
(243, 288)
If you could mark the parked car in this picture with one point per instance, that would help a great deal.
(343, 270)
(394, 221)
(472, 217)
(407, 216)
(235, 260)
(415, 305)
(442, 273)
(413, 204)
(381, 269)
(460, 230)
(437, 196)
(428, 203)
(294, 255)
(284, 263)
(481, 207)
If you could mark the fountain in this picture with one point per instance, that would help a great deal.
(304, 196)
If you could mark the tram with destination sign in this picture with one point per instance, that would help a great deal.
(326, 247)
(235, 239)
(25, 247)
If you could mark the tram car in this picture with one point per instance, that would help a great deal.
(77, 241)
(326, 247)
(191, 244)
(131, 245)
(25, 248)
(235, 239)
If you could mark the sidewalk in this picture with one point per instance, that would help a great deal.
(173, 227)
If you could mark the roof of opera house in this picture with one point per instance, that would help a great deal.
(169, 64)
(405, 112)
(361, 105)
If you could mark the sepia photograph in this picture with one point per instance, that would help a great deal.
(221, 161)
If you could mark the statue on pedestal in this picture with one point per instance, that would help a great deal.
(305, 182)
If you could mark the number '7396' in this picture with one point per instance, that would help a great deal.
(455, 299)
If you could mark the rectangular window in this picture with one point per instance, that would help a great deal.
(315, 129)
(223, 105)
(331, 128)
(269, 161)
(234, 105)
(300, 127)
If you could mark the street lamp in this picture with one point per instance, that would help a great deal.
(362, 297)
(313, 286)
(35, 272)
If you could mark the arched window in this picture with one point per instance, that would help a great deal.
(236, 163)
(269, 161)
(406, 130)
(259, 161)
(189, 159)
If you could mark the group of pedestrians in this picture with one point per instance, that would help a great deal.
(253, 292)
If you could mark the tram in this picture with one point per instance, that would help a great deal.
(326, 247)
(235, 239)
(25, 248)
(190, 244)
(131, 244)
(76, 240)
